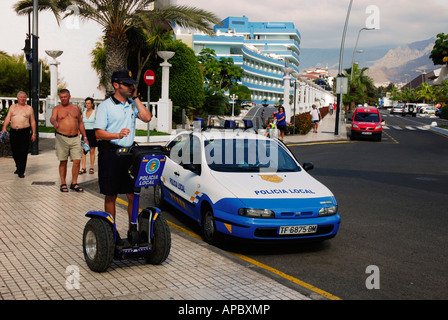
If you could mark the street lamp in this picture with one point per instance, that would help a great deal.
(353, 63)
(341, 54)
(356, 45)
(35, 75)
(233, 97)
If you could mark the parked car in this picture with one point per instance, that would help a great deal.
(246, 186)
(366, 122)
(427, 109)
(397, 109)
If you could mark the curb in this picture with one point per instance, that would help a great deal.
(439, 130)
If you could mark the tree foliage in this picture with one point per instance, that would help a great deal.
(15, 77)
(361, 87)
(186, 84)
(220, 73)
(439, 54)
(117, 17)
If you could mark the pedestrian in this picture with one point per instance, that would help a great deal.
(331, 109)
(115, 128)
(281, 122)
(66, 119)
(22, 130)
(270, 128)
(315, 117)
(88, 118)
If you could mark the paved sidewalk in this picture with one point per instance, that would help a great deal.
(325, 132)
(41, 248)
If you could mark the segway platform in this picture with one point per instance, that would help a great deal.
(149, 235)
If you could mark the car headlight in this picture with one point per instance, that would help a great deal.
(378, 127)
(328, 211)
(256, 213)
(355, 125)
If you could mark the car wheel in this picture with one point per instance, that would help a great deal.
(352, 136)
(208, 225)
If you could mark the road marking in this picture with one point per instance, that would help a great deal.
(288, 277)
(391, 137)
(254, 262)
(314, 143)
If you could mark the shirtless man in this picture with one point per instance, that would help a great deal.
(66, 118)
(21, 118)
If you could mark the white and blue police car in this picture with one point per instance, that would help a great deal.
(243, 184)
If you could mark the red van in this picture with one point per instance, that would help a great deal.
(366, 122)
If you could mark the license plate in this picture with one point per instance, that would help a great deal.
(366, 132)
(298, 229)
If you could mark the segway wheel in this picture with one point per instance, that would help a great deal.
(98, 244)
(161, 243)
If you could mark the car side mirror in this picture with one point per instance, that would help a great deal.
(307, 166)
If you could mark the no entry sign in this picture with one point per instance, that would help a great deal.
(149, 77)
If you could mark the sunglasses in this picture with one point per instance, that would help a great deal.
(127, 84)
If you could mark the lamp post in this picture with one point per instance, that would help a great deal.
(233, 97)
(35, 74)
(287, 90)
(354, 51)
(353, 64)
(52, 99)
(341, 54)
(164, 105)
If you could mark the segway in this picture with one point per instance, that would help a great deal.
(149, 236)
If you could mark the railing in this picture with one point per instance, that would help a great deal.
(6, 102)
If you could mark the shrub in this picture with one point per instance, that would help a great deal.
(303, 122)
(445, 112)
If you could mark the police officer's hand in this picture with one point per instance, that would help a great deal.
(124, 133)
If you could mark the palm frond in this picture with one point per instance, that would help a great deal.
(24, 7)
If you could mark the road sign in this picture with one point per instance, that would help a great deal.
(341, 85)
(149, 77)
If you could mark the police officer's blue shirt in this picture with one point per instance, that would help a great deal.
(113, 115)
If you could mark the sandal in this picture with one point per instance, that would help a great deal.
(91, 171)
(76, 187)
(82, 171)
(63, 188)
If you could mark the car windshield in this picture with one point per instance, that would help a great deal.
(248, 155)
(367, 117)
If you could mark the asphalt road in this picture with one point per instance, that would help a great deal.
(392, 199)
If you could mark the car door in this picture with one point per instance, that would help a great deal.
(182, 173)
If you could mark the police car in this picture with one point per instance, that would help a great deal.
(245, 185)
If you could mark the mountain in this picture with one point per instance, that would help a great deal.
(401, 64)
(385, 63)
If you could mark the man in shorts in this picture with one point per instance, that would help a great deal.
(315, 117)
(115, 128)
(66, 118)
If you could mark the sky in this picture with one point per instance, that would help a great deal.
(320, 24)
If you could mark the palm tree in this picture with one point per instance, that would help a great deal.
(118, 16)
(361, 86)
(425, 92)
